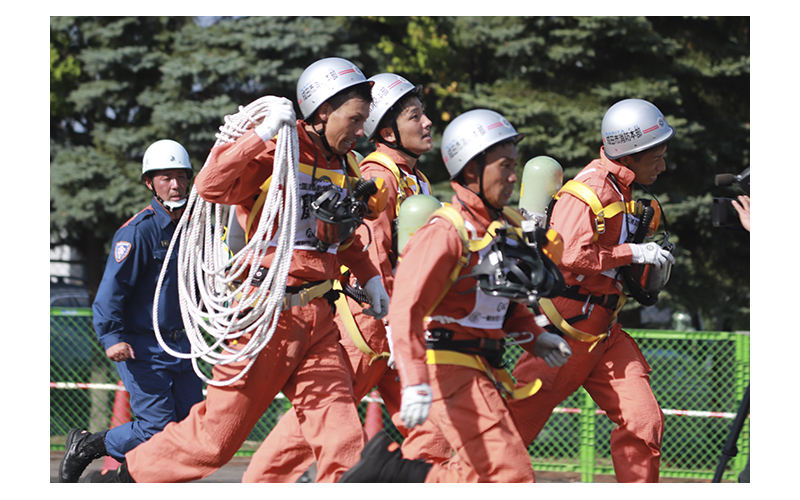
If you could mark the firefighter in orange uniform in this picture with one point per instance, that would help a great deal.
(456, 299)
(402, 131)
(606, 361)
(304, 359)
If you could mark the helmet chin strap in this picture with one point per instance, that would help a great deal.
(321, 134)
(171, 206)
(399, 144)
(481, 161)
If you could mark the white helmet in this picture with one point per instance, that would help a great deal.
(164, 155)
(388, 88)
(470, 134)
(324, 79)
(632, 126)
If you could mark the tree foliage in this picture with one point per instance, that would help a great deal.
(120, 83)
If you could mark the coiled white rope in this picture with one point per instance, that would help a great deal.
(214, 309)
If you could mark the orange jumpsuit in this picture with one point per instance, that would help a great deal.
(304, 359)
(286, 455)
(615, 372)
(467, 406)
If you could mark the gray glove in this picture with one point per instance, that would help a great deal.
(552, 348)
(378, 298)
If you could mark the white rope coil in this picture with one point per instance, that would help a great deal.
(215, 309)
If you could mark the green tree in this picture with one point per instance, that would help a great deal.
(147, 78)
(118, 84)
(555, 77)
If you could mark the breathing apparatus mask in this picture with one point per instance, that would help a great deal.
(339, 215)
(517, 266)
(645, 281)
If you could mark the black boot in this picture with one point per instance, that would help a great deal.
(82, 448)
(120, 475)
(383, 462)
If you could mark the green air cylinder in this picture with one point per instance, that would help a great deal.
(541, 179)
(413, 213)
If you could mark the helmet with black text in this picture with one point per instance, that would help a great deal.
(322, 80)
(632, 126)
(388, 90)
(166, 154)
(472, 133)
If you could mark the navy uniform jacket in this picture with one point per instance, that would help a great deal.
(124, 302)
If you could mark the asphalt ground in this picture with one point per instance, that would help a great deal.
(232, 473)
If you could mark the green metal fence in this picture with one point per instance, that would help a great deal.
(699, 379)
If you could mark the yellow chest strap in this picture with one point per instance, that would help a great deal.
(503, 381)
(468, 245)
(601, 213)
(335, 177)
(402, 179)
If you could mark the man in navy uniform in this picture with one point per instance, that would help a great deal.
(162, 387)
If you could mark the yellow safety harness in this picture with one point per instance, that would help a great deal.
(559, 322)
(601, 213)
(335, 177)
(406, 183)
(501, 378)
(343, 309)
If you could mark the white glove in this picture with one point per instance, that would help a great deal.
(552, 348)
(378, 298)
(415, 404)
(280, 112)
(650, 253)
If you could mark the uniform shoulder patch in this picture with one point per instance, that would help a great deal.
(121, 250)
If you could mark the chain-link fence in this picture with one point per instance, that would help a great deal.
(699, 379)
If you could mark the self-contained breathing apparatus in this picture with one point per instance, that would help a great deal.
(519, 264)
(645, 281)
(338, 216)
(542, 178)
(516, 266)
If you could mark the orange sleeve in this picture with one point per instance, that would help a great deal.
(575, 222)
(235, 171)
(429, 257)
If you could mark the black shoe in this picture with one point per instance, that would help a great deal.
(383, 462)
(82, 448)
(109, 476)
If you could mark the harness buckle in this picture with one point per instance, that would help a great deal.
(600, 222)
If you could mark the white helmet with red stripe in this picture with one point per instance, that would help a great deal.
(471, 133)
(632, 126)
(324, 79)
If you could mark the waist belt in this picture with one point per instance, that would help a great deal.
(503, 381)
(294, 295)
(607, 301)
(559, 322)
(491, 349)
(305, 294)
